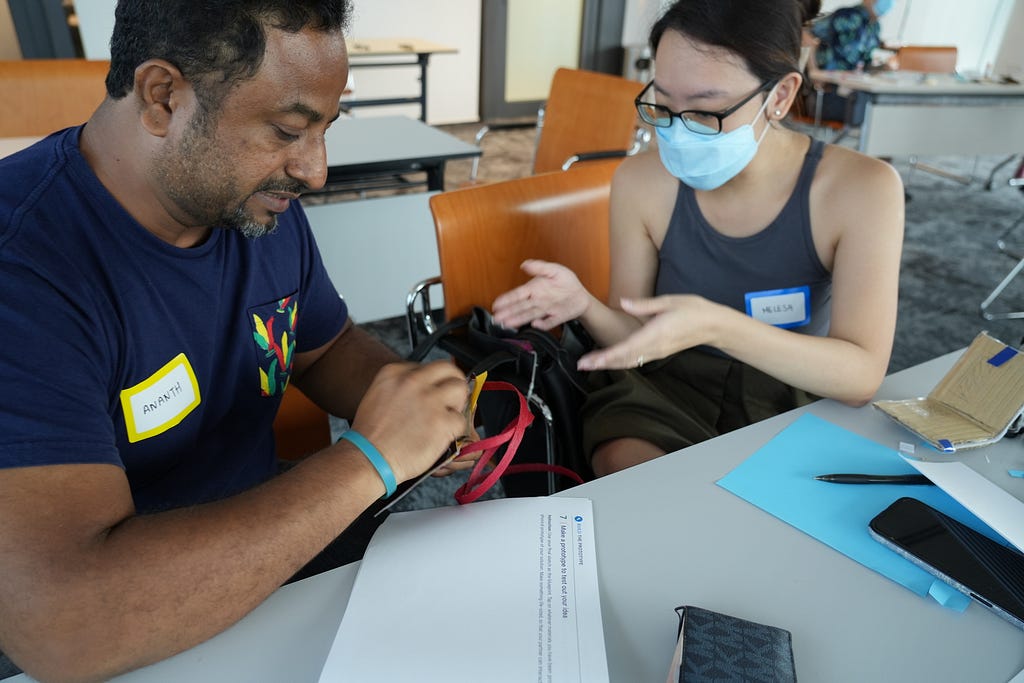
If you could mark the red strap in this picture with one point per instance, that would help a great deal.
(543, 467)
(512, 435)
(478, 483)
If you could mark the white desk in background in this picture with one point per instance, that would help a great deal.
(911, 114)
(9, 146)
(368, 53)
(376, 249)
(363, 152)
(668, 535)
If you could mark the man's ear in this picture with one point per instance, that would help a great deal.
(160, 89)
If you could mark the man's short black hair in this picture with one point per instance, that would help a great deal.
(214, 43)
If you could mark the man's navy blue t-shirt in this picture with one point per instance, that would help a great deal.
(123, 349)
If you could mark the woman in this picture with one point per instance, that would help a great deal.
(756, 267)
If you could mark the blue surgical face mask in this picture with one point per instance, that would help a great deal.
(706, 162)
(882, 6)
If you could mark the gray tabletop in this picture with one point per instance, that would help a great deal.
(668, 536)
(381, 139)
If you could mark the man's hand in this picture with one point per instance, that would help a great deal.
(412, 413)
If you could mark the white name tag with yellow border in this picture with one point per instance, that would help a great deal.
(789, 307)
(160, 402)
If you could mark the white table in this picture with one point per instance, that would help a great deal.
(912, 114)
(375, 250)
(369, 53)
(9, 146)
(667, 535)
(365, 150)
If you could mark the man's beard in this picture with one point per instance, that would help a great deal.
(194, 160)
(247, 226)
(241, 220)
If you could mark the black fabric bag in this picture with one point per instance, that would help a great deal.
(540, 366)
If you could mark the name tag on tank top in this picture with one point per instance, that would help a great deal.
(789, 307)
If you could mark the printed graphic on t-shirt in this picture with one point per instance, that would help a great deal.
(274, 333)
(161, 401)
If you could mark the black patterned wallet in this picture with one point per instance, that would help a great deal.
(717, 647)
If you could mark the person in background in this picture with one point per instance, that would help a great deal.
(845, 40)
(811, 10)
(161, 287)
(752, 267)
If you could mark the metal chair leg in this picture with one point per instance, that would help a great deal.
(1001, 245)
(999, 290)
(996, 169)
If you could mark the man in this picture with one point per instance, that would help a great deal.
(160, 288)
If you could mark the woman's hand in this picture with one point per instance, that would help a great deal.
(553, 296)
(673, 323)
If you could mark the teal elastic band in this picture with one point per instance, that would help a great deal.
(375, 458)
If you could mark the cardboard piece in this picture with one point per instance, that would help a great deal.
(975, 402)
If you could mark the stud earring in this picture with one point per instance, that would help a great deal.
(778, 112)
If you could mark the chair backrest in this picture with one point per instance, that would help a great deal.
(39, 96)
(485, 232)
(301, 426)
(585, 111)
(936, 59)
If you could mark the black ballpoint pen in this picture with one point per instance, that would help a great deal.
(874, 478)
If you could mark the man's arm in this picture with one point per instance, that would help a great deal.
(337, 375)
(91, 589)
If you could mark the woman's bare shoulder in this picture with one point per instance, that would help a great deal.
(851, 176)
(643, 175)
(852, 191)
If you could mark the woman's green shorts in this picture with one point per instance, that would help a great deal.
(681, 400)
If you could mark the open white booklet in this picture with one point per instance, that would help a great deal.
(503, 590)
(994, 505)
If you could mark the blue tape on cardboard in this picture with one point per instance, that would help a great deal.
(1006, 354)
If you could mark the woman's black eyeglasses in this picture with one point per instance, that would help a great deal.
(703, 122)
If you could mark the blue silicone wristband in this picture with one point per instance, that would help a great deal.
(375, 458)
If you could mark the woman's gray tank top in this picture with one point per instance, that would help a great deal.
(697, 259)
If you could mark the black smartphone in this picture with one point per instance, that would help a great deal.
(974, 564)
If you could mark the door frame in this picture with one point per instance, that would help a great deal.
(600, 50)
(42, 29)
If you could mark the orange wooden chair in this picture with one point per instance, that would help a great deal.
(485, 232)
(935, 59)
(301, 426)
(40, 96)
(587, 116)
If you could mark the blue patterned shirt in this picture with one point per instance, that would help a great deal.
(846, 37)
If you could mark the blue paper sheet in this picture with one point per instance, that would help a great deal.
(779, 479)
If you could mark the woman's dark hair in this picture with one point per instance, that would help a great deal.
(215, 43)
(811, 10)
(764, 33)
